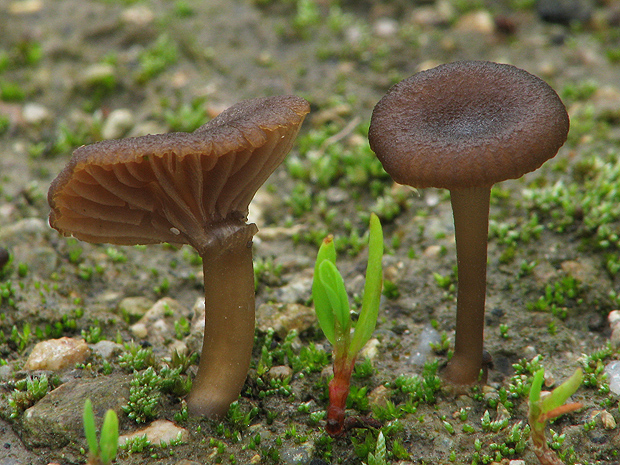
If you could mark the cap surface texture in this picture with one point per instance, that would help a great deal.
(467, 124)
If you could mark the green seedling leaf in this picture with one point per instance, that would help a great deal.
(322, 307)
(89, 429)
(333, 284)
(537, 382)
(372, 288)
(542, 409)
(109, 437)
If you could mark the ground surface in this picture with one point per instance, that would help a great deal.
(67, 68)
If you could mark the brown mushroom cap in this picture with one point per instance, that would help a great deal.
(467, 124)
(170, 187)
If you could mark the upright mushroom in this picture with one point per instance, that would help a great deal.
(465, 126)
(189, 188)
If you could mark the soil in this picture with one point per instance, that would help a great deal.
(67, 67)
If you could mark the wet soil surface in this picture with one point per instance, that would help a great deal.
(74, 72)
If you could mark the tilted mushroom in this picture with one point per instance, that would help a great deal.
(189, 188)
(465, 126)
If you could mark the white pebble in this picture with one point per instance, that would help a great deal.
(139, 330)
(157, 432)
(385, 27)
(613, 318)
(35, 114)
(117, 124)
(613, 370)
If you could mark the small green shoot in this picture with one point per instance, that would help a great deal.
(379, 457)
(544, 408)
(101, 452)
(331, 305)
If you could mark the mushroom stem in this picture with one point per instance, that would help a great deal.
(470, 208)
(229, 324)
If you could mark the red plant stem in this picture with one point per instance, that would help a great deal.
(338, 393)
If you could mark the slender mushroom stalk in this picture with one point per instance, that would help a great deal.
(189, 188)
(465, 126)
(470, 208)
(229, 284)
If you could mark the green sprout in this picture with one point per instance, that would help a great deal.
(544, 408)
(101, 452)
(378, 458)
(331, 304)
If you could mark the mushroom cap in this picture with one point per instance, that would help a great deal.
(171, 187)
(467, 124)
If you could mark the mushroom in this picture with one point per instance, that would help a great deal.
(189, 188)
(465, 126)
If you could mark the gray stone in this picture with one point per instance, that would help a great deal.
(12, 450)
(280, 372)
(158, 323)
(297, 455)
(107, 349)
(41, 260)
(26, 229)
(56, 420)
(565, 11)
(134, 308)
(284, 318)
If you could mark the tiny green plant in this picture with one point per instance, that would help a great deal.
(331, 305)
(101, 452)
(544, 408)
(378, 458)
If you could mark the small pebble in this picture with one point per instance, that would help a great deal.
(385, 27)
(296, 456)
(117, 124)
(478, 21)
(379, 396)
(35, 114)
(280, 372)
(57, 354)
(284, 318)
(24, 229)
(432, 16)
(107, 349)
(139, 331)
(614, 318)
(25, 7)
(139, 15)
(564, 11)
(613, 371)
(97, 73)
(158, 323)
(157, 432)
(134, 308)
(370, 350)
(428, 336)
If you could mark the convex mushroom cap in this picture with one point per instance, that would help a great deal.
(467, 124)
(170, 187)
